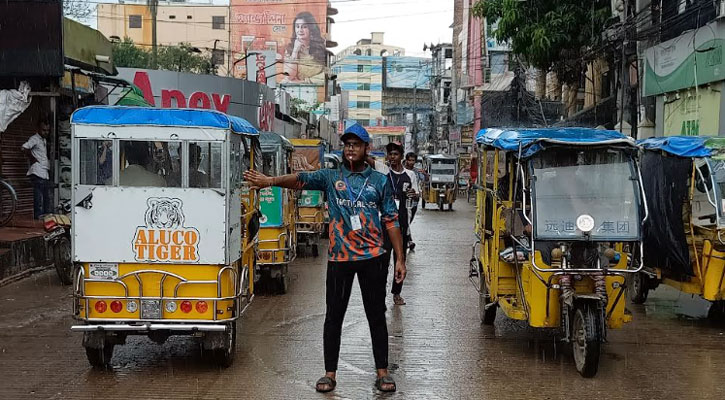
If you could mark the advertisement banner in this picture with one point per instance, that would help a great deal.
(270, 203)
(296, 31)
(681, 62)
(260, 66)
(694, 114)
(310, 198)
(407, 72)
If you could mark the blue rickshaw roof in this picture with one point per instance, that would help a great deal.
(683, 146)
(531, 140)
(186, 117)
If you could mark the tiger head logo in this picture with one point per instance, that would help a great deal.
(164, 238)
(164, 213)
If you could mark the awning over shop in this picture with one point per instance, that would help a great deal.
(87, 48)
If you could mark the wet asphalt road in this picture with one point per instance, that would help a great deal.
(438, 348)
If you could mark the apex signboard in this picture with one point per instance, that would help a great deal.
(169, 89)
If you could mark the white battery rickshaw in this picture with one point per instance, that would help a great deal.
(164, 229)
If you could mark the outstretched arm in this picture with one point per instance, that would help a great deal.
(260, 180)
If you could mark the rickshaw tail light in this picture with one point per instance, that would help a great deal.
(186, 306)
(202, 307)
(101, 306)
(116, 306)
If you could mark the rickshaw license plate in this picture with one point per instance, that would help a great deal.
(151, 309)
(103, 271)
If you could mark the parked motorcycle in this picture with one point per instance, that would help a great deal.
(57, 236)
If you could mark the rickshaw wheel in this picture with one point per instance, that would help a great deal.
(486, 313)
(224, 357)
(586, 339)
(63, 261)
(282, 284)
(639, 288)
(440, 205)
(100, 357)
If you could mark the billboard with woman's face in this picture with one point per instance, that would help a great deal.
(296, 30)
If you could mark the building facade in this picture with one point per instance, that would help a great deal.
(359, 71)
(202, 25)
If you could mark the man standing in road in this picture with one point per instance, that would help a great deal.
(410, 160)
(405, 183)
(37, 151)
(361, 208)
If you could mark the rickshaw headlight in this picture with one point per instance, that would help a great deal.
(131, 306)
(170, 306)
(186, 306)
(116, 306)
(202, 307)
(101, 306)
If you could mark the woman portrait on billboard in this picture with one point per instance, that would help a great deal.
(306, 54)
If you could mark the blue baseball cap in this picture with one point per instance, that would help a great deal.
(358, 131)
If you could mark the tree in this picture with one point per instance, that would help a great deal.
(127, 54)
(185, 58)
(77, 9)
(550, 35)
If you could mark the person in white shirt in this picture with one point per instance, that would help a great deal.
(39, 172)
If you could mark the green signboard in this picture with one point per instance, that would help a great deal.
(310, 198)
(270, 203)
(676, 64)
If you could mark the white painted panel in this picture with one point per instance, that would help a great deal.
(234, 248)
(124, 224)
(147, 132)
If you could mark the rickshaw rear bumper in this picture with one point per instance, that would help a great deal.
(148, 327)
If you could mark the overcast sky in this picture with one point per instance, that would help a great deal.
(406, 23)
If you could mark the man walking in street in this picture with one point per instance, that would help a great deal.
(361, 208)
(410, 160)
(405, 184)
(37, 151)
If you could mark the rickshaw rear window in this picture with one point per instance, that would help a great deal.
(150, 163)
(205, 165)
(96, 162)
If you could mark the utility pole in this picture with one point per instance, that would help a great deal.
(414, 131)
(153, 6)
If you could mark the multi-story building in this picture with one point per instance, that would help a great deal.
(200, 23)
(359, 71)
(441, 72)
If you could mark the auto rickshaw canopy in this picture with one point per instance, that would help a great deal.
(271, 139)
(144, 116)
(533, 140)
(687, 146)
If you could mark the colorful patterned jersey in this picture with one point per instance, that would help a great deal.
(366, 195)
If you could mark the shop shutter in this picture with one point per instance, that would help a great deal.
(14, 163)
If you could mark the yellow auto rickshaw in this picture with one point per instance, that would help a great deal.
(278, 234)
(442, 180)
(163, 229)
(309, 156)
(558, 214)
(684, 179)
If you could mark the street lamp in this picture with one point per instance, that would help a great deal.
(279, 73)
(249, 54)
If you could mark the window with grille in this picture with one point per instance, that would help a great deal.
(217, 22)
(134, 21)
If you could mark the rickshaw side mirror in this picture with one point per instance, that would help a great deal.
(87, 202)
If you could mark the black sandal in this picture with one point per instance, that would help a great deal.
(325, 380)
(385, 380)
